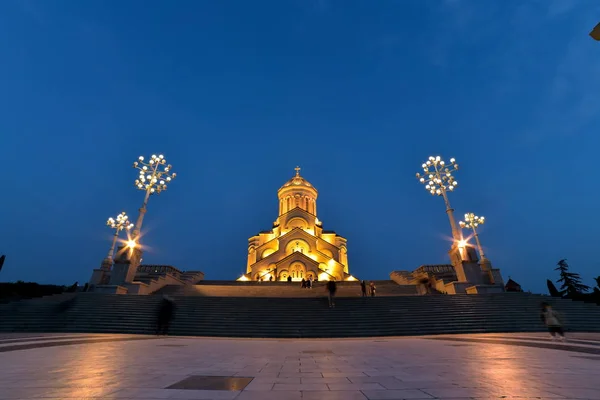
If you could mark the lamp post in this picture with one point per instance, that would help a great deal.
(472, 221)
(118, 224)
(154, 177)
(438, 180)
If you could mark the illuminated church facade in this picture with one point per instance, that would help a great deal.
(297, 247)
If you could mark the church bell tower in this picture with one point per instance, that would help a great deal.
(297, 193)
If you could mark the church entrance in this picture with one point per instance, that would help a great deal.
(283, 275)
(297, 271)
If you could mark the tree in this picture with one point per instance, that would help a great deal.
(552, 289)
(570, 281)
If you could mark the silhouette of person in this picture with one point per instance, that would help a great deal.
(331, 288)
(166, 311)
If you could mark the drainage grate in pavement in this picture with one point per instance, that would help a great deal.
(317, 352)
(200, 382)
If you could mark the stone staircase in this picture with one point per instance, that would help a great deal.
(302, 317)
(283, 289)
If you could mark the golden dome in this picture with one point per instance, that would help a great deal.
(297, 180)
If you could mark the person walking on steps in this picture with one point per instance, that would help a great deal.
(331, 288)
(363, 288)
(372, 286)
(165, 315)
(552, 321)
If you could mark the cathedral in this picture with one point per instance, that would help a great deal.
(297, 247)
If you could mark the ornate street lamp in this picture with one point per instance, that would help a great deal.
(472, 221)
(120, 223)
(153, 179)
(438, 180)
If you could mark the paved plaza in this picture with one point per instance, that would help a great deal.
(490, 366)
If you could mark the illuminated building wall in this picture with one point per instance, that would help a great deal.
(297, 245)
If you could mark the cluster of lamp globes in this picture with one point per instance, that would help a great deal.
(472, 221)
(438, 176)
(438, 179)
(120, 223)
(153, 179)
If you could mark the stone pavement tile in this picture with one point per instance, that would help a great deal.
(424, 377)
(342, 374)
(269, 368)
(363, 371)
(139, 393)
(300, 375)
(340, 395)
(261, 379)
(383, 372)
(301, 386)
(413, 366)
(418, 384)
(448, 393)
(544, 392)
(321, 370)
(388, 382)
(395, 394)
(290, 370)
(325, 380)
(280, 395)
(574, 383)
(262, 374)
(202, 394)
(78, 392)
(263, 387)
(577, 393)
(17, 393)
(249, 371)
(212, 372)
(355, 386)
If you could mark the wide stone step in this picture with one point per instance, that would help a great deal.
(298, 317)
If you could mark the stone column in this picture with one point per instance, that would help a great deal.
(126, 265)
(465, 262)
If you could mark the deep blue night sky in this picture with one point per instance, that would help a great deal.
(237, 93)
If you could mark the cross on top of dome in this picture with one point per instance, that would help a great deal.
(297, 180)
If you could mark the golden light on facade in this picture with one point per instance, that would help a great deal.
(462, 244)
(131, 244)
(351, 278)
(324, 276)
(243, 278)
(300, 248)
